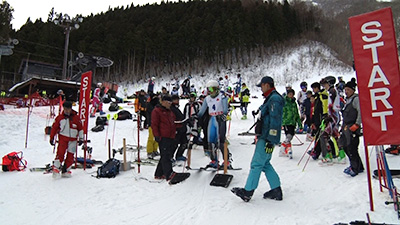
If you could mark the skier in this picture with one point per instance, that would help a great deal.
(301, 96)
(140, 108)
(164, 129)
(186, 87)
(320, 113)
(291, 118)
(97, 104)
(217, 105)
(150, 87)
(191, 109)
(238, 85)
(244, 98)
(180, 142)
(69, 128)
(268, 130)
(152, 145)
(350, 135)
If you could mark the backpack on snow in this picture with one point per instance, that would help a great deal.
(109, 169)
(124, 115)
(113, 107)
(14, 161)
(101, 120)
(98, 128)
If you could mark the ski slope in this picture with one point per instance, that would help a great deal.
(318, 195)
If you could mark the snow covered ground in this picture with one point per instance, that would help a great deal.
(319, 195)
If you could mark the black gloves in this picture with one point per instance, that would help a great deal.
(80, 142)
(158, 139)
(52, 142)
(254, 113)
(269, 147)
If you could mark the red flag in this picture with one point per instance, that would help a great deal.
(377, 67)
(84, 100)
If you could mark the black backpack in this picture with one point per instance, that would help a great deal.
(113, 107)
(109, 169)
(101, 120)
(98, 128)
(124, 115)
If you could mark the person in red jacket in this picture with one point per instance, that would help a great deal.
(69, 128)
(164, 130)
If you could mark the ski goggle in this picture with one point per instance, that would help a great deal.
(303, 87)
(212, 89)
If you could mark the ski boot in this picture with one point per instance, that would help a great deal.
(56, 169)
(242, 193)
(244, 117)
(275, 193)
(213, 164)
(66, 172)
(282, 150)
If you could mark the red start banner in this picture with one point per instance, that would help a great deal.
(377, 67)
(84, 100)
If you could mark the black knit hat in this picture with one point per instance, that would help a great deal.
(351, 84)
(315, 85)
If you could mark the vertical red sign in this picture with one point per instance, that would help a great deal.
(84, 99)
(377, 67)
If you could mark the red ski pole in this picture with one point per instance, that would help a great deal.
(138, 137)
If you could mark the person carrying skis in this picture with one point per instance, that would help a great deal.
(291, 118)
(69, 128)
(268, 130)
(350, 132)
(217, 105)
(164, 130)
(244, 98)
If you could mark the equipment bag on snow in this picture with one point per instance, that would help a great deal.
(109, 169)
(14, 161)
(124, 115)
(113, 107)
(101, 120)
(98, 128)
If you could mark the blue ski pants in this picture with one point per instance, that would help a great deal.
(261, 163)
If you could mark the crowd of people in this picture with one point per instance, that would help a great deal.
(329, 114)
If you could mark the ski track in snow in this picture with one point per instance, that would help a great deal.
(319, 195)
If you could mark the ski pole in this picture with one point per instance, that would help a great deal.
(115, 124)
(305, 151)
(138, 141)
(315, 144)
(108, 119)
(301, 143)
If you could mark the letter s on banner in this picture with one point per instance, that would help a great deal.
(377, 68)
(84, 99)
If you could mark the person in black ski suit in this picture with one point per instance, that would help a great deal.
(180, 142)
(350, 132)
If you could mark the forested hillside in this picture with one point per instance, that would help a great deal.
(187, 37)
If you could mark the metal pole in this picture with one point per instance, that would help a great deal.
(371, 200)
(64, 72)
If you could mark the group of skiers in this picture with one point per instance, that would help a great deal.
(321, 113)
(318, 113)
